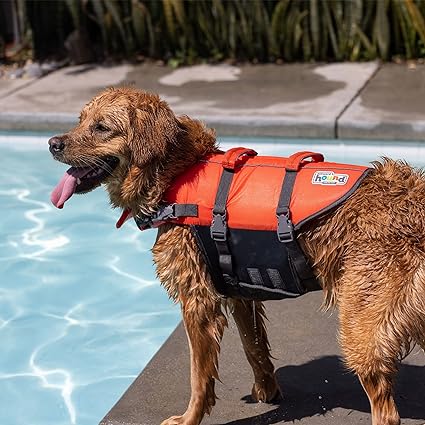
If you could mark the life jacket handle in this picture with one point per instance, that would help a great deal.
(233, 157)
(295, 161)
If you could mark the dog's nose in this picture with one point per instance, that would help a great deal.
(56, 145)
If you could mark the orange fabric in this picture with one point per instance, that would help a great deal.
(233, 157)
(256, 186)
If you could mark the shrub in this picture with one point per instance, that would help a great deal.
(187, 31)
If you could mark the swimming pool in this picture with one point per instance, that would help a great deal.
(81, 312)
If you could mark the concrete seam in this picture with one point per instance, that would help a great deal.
(13, 91)
(34, 80)
(356, 95)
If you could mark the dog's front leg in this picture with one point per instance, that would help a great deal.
(183, 272)
(249, 317)
(204, 323)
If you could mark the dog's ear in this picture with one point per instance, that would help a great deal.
(193, 133)
(154, 130)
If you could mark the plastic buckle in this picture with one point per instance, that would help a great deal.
(285, 228)
(166, 212)
(218, 227)
(143, 222)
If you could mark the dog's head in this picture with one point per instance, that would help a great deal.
(125, 137)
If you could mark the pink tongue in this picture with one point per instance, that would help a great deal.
(67, 185)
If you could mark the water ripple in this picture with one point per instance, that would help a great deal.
(76, 322)
(66, 388)
(49, 377)
(6, 322)
(143, 283)
(32, 237)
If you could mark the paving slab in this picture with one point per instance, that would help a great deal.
(391, 106)
(297, 100)
(317, 389)
(53, 103)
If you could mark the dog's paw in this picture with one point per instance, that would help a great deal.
(177, 420)
(174, 420)
(266, 391)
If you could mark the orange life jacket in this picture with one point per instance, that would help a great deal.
(256, 187)
(245, 211)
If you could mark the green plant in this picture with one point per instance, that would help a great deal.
(186, 31)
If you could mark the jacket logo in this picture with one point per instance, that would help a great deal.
(329, 178)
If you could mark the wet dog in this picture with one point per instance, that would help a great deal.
(369, 253)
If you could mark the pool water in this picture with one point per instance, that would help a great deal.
(81, 312)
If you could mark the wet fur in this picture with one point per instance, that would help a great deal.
(369, 253)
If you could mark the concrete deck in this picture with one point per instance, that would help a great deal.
(392, 106)
(317, 389)
(348, 100)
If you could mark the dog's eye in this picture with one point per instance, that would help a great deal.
(101, 127)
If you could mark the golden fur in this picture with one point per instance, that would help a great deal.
(369, 253)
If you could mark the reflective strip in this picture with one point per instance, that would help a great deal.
(255, 276)
(276, 278)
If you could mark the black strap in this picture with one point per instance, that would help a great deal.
(218, 227)
(164, 213)
(223, 191)
(185, 210)
(219, 219)
(286, 235)
(285, 229)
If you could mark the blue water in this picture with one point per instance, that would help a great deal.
(81, 312)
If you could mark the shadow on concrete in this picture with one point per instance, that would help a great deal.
(80, 69)
(323, 384)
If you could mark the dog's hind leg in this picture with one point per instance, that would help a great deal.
(249, 317)
(379, 391)
(376, 369)
(372, 341)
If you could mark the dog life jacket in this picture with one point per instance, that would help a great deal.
(245, 210)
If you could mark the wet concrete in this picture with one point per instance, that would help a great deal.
(268, 84)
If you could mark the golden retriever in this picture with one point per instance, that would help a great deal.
(368, 253)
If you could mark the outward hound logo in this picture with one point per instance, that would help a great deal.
(329, 178)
